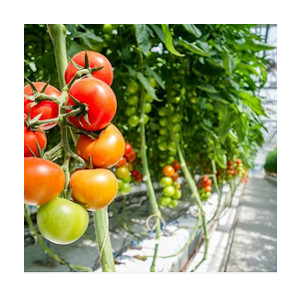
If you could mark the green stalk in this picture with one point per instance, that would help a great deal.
(47, 250)
(102, 232)
(150, 190)
(197, 198)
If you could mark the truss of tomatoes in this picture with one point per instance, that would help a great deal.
(61, 220)
(171, 187)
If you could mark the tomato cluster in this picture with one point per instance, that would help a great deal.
(90, 107)
(171, 186)
(205, 187)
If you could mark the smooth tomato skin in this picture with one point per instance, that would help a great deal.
(208, 182)
(106, 150)
(122, 172)
(101, 102)
(175, 176)
(128, 149)
(48, 108)
(207, 188)
(30, 139)
(62, 221)
(168, 171)
(131, 157)
(95, 60)
(43, 181)
(122, 162)
(94, 188)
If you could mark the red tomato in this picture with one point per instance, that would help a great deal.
(122, 162)
(238, 161)
(43, 180)
(30, 140)
(128, 149)
(95, 60)
(206, 183)
(229, 163)
(95, 188)
(176, 167)
(168, 171)
(101, 102)
(175, 176)
(131, 157)
(106, 150)
(48, 108)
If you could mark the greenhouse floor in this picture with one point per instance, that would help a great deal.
(251, 245)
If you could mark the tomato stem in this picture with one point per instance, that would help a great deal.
(101, 222)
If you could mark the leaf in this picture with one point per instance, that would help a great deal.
(225, 124)
(240, 127)
(158, 31)
(193, 48)
(206, 87)
(252, 102)
(156, 76)
(191, 28)
(168, 40)
(259, 46)
(220, 157)
(228, 63)
(142, 33)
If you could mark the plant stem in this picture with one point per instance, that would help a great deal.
(196, 195)
(150, 190)
(47, 250)
(58, 36)
(102, 232)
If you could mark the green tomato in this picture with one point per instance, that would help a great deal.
(163, 131)
(147, 107)
(176, 128)
(133, 120)
(62, 221)
(126, 188)
(170, 160)
(173, 203)
(130, 110)
(172, 146)
(173, 151)
(120, 184)
(163, 122)
(164, 201)
(163, 111)
(163, 146)
(175, 118)
(169, 191)
(122, 172)
(133, 87)
(193, 100)
(166, 181)
(177, 195)
(133, 100)
(107, 28)
(161, 139)
(176, 100)
(146, 118)
(148, 97)
(152, 81)
(127, 178)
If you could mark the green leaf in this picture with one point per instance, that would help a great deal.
(252, 102)
(228, 63)
(240, 127)
(193, 48)
(220, 157)
(147, 85)
(259, 46)
(158, 31)
(225, 124)
(168, 40)
(206, 87)
(142, 33)
(191, 28)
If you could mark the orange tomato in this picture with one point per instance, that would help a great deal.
(106, 150)
(94, 188)
(168, 171)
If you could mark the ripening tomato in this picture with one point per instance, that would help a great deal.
(122, 162)
(62, 221)
(95, 60)
(131, 156)
(94, 188)
(101, 102)
(30, 140)
(43, 180)
(48, 108)
(168, 171)
(128, 149)
(106, 150)
(122, 172)
(204, 178)
(208, 182)
(207, 188)
(175, 176)
(238, 161)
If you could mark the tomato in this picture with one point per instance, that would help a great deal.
(164, 201)
(127, 178)
(100, 100)
(176, 128)
(163, 111)
(168, 171)
(177, 195)
(175, 176)
(133, 100)
(131, 156)
(128, 149)
(208, 182)
(166, 181)
(147, 108)
(238, 161)
(176, 165)
(126, 188)
(122, 172)
(176, 185)
(130, 110)
(43, 180)
(229, 163)
(173, 203)
(105, 151)
(95, 60)
(30, 140)
(207, 188)
(94, 188)
(49, 109)
(152, 81)
(62, 221)
(204, 178)
(132, 87)
(163, 122)
(133, 120)
(169, 191)
(122, 162)
(128, 165)
(175, 118)
(163, 131)
(107, 28)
